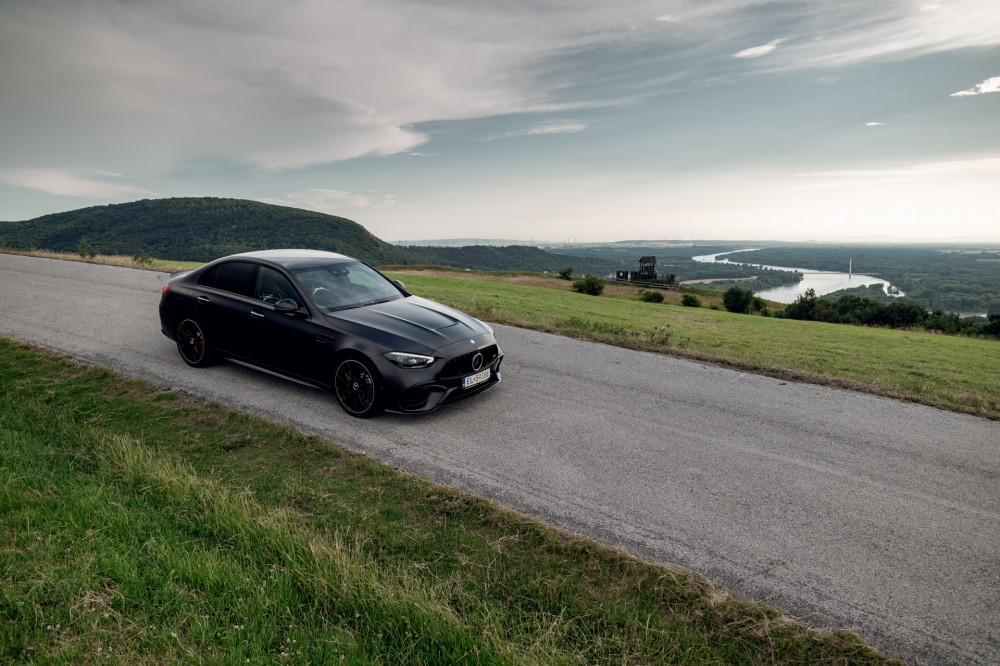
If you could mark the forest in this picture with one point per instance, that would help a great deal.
(198, 229)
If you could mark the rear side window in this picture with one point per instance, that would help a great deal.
(207, 278)
(237, 277)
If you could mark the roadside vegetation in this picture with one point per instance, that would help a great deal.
(142, 526)
(85, 255)
(951, 372)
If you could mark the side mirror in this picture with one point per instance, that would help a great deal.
(399, 284)
(286, 305)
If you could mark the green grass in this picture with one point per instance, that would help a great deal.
(141, 526)
(952, 372)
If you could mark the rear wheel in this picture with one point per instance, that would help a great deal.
(193, 345)
(358, 387)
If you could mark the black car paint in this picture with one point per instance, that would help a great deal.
(307, 343)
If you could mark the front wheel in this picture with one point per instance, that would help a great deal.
(192, 344)
(358, 387)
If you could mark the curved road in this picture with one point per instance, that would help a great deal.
(843, 509)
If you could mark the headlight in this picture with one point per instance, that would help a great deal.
(404, 360)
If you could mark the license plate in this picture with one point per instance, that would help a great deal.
(479, 378)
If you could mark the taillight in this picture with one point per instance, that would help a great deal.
(166, 288)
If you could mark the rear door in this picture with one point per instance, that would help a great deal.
(224, 301)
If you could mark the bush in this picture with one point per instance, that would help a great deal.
(86, 250)
(142, 258)
(737, 299)
(691, 301)
(589, 284)
(566, 273)
(651, 297)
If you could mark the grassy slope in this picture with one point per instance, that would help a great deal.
(138, 526)
(951, 372)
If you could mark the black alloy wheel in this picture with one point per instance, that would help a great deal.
(192, 345)
(358, 388)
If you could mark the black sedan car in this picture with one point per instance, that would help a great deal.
(332, 321)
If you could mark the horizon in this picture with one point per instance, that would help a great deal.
(589, 122)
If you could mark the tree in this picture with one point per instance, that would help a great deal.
(85, 249)
(566, 273)
(589, 284)
(737, 299)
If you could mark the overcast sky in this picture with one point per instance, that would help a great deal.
(533, 119)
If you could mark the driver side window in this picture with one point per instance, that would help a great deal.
(272, 287)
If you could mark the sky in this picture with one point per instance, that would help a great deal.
(539, 120)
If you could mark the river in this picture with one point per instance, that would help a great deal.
(823, 282)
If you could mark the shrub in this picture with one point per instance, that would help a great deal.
(566, 273)
(651, 297)
(86, 250)
(589, 284)
(737, 299)
(691, 301)
(142, 258)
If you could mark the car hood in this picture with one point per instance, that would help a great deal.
(408, 323)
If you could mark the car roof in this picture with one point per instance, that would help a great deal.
(294, 259)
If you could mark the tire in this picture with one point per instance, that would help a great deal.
(358, 387)
(192, 343)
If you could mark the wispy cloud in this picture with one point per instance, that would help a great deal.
(668, 18)
(990, 85)
(874, 124)
(553, 128)
(331, 201)
(972, 174)
(69, 184)
(758, 51)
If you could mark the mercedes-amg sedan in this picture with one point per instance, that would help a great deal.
(332, 321)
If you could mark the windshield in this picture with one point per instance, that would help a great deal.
(341, 286)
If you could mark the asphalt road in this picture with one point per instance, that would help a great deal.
(843, 509)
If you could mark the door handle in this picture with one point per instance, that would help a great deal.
(203, 299)
(256, 315)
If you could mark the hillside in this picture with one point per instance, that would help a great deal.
(198, 229)
(204, 228)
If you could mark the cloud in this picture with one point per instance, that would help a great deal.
(980, 174)
(331, 201)
(70, 184)
(554, 128)
(874, 124)
(990, 85)
(156, 88)
(758, 51)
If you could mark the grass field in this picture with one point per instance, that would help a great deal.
(141, 526)
(952, 372)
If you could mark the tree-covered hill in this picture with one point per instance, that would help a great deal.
(199, 229)
(205, 228)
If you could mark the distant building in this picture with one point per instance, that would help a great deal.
(647, 268)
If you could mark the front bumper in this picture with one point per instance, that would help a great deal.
(417, 391)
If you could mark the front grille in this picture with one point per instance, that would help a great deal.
(462, 365)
